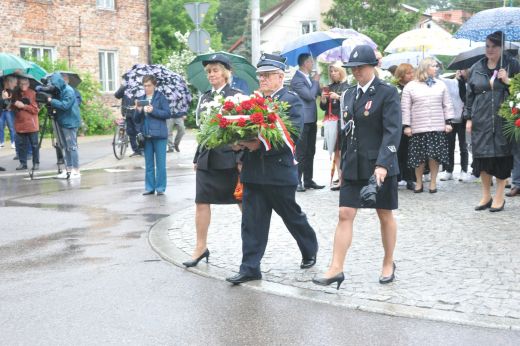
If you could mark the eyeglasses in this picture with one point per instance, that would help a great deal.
(266, 75)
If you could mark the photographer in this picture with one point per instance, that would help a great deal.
(26, 123)
(7, 112)
(68, 118)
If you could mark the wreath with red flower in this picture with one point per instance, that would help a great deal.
(241, 118)
(510, 110)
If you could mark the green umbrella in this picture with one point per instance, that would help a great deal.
(36, 71)
(10, 63)
(241, 68)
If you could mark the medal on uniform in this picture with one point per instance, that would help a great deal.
(367, 108)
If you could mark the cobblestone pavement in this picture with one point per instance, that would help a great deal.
(453, 263)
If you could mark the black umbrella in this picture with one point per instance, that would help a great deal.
(33, 82)
(74, 79)
(466, 59)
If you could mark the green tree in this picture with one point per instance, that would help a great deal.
(231, 20)
(169, 16)
(381, 20)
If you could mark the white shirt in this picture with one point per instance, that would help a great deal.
(366, 86)
(219, 89)
(307, 77)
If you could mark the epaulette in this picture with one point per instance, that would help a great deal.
(237, 90)
(292, 93)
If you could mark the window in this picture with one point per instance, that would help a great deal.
(310, 26)
(105, 4)
(107, 70)
(38, 53)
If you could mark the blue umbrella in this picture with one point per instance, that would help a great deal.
(313, 43)
(480, 25)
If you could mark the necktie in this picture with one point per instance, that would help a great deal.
(358, 97)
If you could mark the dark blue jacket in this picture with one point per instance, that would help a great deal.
(276, 166)
(67, 107)
(154, 123)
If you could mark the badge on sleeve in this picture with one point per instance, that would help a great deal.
(368, 105)
(392, 148)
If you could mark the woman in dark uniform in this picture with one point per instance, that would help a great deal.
(216, 169)
(329, 102)
(373, 115)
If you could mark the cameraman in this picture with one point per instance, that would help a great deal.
(26, 123)
(68, 118)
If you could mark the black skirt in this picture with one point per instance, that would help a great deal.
(386, 198)
(499, 167)
(428, 146)
(216, 186)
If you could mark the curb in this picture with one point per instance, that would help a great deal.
(161, 243)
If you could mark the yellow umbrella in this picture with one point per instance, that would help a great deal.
(419, 40)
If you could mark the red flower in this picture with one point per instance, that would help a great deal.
(223, 123)
(238, 109)
(514, 111)
(247, 105)
(241, 122)
(517, 122)
(219, 116)
(257, 118)
(229, 105)
(260, 101)
(272, 126)
(271, 117)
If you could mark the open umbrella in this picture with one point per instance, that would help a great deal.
(313, 43)
(171, 84)
(412, 58)
(10, 63)
(36, 71)
(342, 53)
(74, 78)
(240, 65)
(423, 40)
(481, 24)
(33, 81)
(466, 59)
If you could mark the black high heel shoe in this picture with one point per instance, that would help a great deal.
(196, 261)
(327, 281)
(387, 279)
(484, 206)
(494, 210)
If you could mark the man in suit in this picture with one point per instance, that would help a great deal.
(270, 179)
(307, 89)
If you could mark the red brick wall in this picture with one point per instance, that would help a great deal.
(55, 23)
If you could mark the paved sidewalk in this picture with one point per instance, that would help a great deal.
(453, 264)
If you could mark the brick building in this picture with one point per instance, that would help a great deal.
(102, 37)
(457, 17)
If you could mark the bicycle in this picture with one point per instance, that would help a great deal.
(121, 139)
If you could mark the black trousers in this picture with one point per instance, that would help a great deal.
(132, 129)
(258, 203)
(305, 150)
(405, 173)
(459, 129)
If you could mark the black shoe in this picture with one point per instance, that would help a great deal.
(494, 210)
(2, 169)
(418, 190)
(160, 193)
(335, 188)
(21, 167)
(36, 166)
(241, 278)
(148, 193)
(484, 206)
(339, 278)
(176, 147)
(387, 279)
(410, 185)
(432, 190)
(300, 188)
(196, 261)
(313, 185)
(308, 262)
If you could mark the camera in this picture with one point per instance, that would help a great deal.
(142, 103)
(43, 92)
(368, 193)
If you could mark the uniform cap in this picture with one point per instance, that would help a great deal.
(270, 62)
(218, 58)
(362, 55)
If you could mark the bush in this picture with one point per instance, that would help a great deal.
(96, 117)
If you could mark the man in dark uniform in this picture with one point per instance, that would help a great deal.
(372, 121)
(270, 179)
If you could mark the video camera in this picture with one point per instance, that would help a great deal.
(43, 92)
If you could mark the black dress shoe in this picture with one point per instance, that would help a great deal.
(148, 193)
(410, 185)
(418, 190)
(484, 206)
(196, 261)
(387, 279)
(300, 188)
(241, 278)
(515, 191)
(432, 190)
(335, 188)
(21, 167)
(339, 278)
(308, 262)
(494, 210)
(313, 185)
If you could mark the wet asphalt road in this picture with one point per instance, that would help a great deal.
(76, 268)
